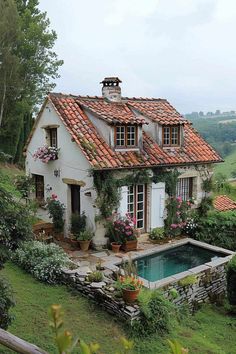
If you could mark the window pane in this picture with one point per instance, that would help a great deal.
(120, 136)
(174, 136)
(131, 136)
(166, 136)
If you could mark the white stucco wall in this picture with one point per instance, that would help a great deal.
(71, 162)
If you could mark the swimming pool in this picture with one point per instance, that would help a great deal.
(178, 259)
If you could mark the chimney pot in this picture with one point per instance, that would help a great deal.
(111, 89)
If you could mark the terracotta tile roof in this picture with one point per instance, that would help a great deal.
(111, 112)
(159, 110)
(102, 156)
(224, 203)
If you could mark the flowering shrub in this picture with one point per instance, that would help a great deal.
(56, 212)
(44, 262)
(177, 213)
(124, 228)
(46, 153)
(6, 302)
(191, 227)
(129, 283)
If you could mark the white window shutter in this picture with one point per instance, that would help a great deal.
(122, 210)
(157, 204)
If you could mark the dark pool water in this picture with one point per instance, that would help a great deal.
(176, 260)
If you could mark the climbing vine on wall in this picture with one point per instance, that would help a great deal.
(107, 185)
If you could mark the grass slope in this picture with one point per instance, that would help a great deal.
(7, 175)
(228, 166)
(210, 331)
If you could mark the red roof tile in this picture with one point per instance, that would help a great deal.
(224, 203)
(102, 156)
(159, 110)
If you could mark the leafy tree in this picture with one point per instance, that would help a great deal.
(30, 65)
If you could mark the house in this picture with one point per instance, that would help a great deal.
(120, 135)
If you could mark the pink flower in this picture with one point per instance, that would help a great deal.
(54, 196)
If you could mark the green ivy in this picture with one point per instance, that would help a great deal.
(107, 185)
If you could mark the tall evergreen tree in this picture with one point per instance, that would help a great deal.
(35, 68)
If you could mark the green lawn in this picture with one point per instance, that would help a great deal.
(210, 331)
(228, 166)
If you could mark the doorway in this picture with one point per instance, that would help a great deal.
(75, 199)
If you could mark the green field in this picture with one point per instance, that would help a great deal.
(228, 166)
(210, 331)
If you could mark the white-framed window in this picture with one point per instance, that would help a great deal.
(184, 188)
(125, 136)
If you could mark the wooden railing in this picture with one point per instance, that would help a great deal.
(18, 345)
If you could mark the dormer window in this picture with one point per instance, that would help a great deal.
(126, 136)
(171, 136)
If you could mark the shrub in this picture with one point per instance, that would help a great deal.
(95, 276)
(5, 157)
(6, 302)
(157, 234)
(177, 214)
(156, 314)
(78, 224)
(218, 228)
(24, 184)
(4, 255)
(231, 281)
(44, 262)
(56, 212)
(15, 221)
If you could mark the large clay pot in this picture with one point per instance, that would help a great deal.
(130, 296)
(130, 245)
(84, 245)
(115, 247)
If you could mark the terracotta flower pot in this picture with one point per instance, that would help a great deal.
(130, 296)
(115, 247)
(84, 245)
(130, 245)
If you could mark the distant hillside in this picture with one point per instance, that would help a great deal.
(227, 167)
(219, 132)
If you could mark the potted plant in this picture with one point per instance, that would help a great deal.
(84, 239)
(130, 286)
(77, 225)
(124, 231)
(114, 239)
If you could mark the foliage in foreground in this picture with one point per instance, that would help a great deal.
(43, 261)
(156, 314)
(6, 302)
(231, 281)
(66, 343)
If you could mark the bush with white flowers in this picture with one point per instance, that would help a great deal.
(43, 261)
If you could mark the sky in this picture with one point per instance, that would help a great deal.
(181, 50)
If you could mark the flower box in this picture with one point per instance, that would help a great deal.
(46, 153)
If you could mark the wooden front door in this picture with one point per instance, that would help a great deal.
(75, 199)
(39, 187)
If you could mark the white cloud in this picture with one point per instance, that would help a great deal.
(182, 50)
(120, 10)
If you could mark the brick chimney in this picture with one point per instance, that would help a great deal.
(111, 89)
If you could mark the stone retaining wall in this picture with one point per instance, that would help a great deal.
(101, 292)
(208, 284)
